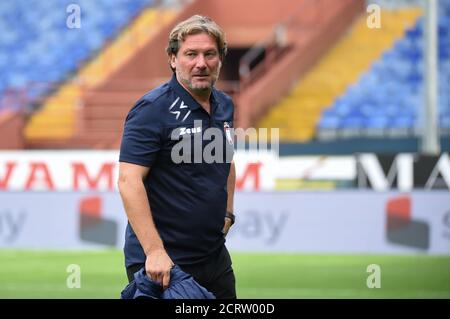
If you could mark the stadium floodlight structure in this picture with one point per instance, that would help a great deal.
(430, 133)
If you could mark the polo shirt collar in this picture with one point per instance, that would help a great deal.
(187, 98)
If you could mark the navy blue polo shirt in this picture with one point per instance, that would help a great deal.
(188, 198)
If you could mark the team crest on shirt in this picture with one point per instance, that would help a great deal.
(227, 130)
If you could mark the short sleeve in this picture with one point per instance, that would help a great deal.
(141, 140)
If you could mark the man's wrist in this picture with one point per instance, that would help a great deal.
(152, 249)
(231, 216)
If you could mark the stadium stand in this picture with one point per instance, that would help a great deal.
(306, 40)
(96, 120)
(75, 85)
(58, 115)
(36, 49)
(298, 113)
(324, 79)
(386, 101)
(39, 51)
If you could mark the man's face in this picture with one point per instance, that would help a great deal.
(197, 63)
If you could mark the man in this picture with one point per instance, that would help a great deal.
(180, 213)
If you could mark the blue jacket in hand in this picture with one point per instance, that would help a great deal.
(181, 286)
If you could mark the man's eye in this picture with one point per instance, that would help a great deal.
(191, 54)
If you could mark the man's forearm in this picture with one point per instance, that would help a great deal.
(137, 208)
(230, 188)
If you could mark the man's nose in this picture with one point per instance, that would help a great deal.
(201, 61)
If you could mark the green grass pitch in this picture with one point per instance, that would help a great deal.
(42, 274)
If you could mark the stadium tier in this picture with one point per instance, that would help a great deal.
(36, 49)
(56, 118)
(77, 82)
(297, 114)
(387, 99)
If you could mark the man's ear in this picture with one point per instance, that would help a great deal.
(172, 61)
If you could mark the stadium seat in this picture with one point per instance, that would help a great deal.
(37, 46)
(392, 87)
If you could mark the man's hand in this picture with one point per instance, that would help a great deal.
(226, 226)
(157, 266)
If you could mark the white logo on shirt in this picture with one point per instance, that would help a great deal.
(178, 113)
(193, 130)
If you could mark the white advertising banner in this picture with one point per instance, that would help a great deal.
(317, 167)
(89, 170)
(58, 170)
(61, 220)
(302, 222)
(343, 222)
(98, 170)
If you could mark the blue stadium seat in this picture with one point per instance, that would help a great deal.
(377, 122)
(37, 46)
(353, 122)
(329, 122)
(402, 122)
(445, 122)
(389, 95)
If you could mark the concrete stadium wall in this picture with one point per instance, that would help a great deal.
(11, 130)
